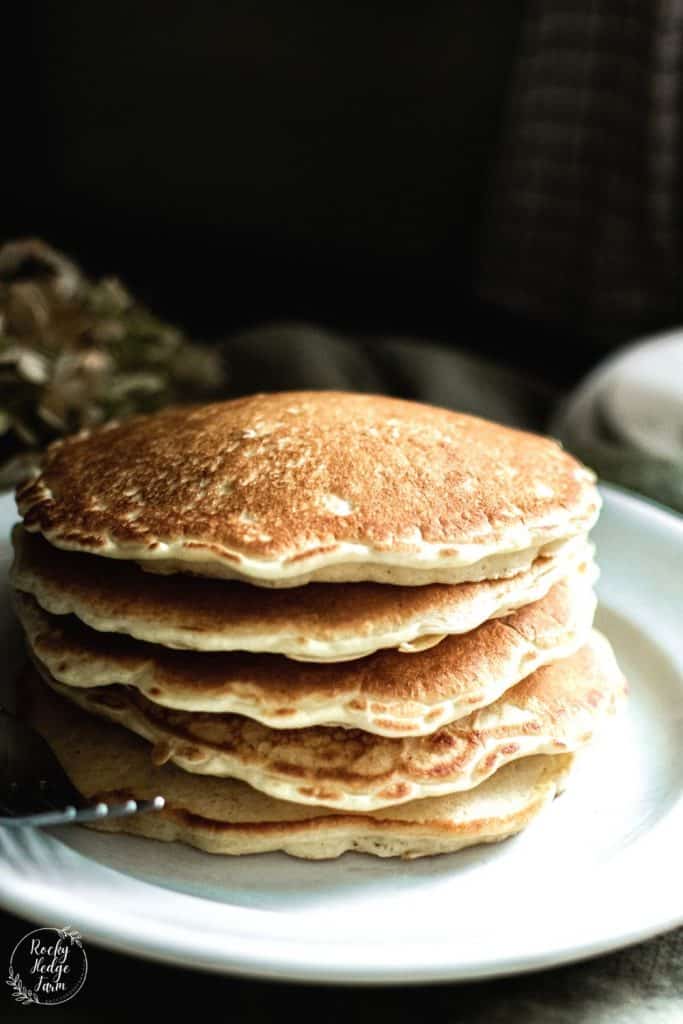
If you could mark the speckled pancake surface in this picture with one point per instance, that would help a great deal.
(222, 816)
(555, 710)
(321, 622)
(387, 693)
(280, 489)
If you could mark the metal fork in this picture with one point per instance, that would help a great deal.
(35, 790)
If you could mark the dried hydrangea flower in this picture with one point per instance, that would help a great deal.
(76, 352)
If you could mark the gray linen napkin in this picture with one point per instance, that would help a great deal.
(298, 355)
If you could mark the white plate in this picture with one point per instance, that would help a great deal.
(598, 869)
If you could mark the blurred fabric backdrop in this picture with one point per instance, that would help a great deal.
(472, 172)
(246, 161)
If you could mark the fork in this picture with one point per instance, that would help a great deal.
(36, 791)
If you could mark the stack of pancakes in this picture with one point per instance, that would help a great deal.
(314, 622)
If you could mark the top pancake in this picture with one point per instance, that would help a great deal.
(280, 489)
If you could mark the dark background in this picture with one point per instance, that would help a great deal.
(243, 162)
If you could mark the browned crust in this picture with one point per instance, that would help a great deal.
(252, 477)
(381, 683)
(127, 600)
(563, 702)
(332, 821)
(105, 762)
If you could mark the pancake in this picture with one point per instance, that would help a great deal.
(281, 489)
(555, 710)
(321, 622)
(386, 693)
(222, 816)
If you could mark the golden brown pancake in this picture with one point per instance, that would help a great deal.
(387, 693)
(280, 489)
(322, 622)
(555, 710)
(221, 816)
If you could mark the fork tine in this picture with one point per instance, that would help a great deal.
(137, 807)
(69, 815)
(120, 810)
(36, 791)
(97, 811)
